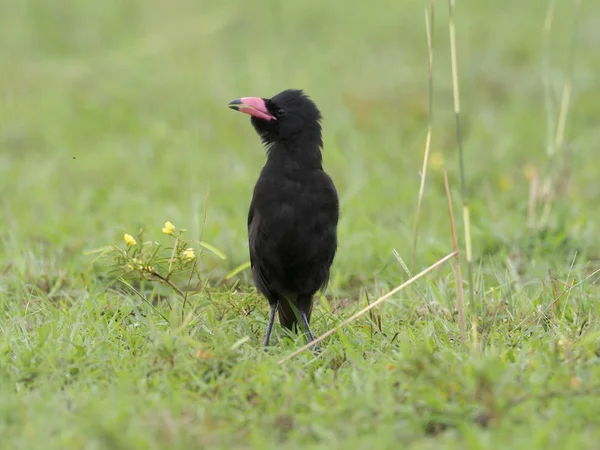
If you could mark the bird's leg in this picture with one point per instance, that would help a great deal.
(304, 319)
(271, 322)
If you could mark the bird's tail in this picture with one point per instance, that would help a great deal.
(287, 315)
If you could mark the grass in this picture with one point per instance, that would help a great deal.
(113, 118)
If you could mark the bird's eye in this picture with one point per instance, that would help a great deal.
(280, 112)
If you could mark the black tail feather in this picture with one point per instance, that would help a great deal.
(287, 315)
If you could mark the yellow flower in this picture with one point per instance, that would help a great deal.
(169, 228)
(129, 240)
(530, 172)
(505, 183)
(130, 267)
(436, 161)
(189, 254)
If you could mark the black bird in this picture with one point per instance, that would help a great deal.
(294, 212)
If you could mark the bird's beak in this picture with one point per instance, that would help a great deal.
(252, 105)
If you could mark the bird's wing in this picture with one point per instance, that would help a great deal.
(250, 213)
(255, 236)
(252, 234)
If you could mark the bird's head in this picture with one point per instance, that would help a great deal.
(287, 117)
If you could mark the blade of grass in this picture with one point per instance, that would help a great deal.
(369, 307)
(429, 29)
(459, 280)
(144, 299)
(565, 104)
(464, 193)
(193, 269)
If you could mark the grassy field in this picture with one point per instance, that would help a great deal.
(113, 119)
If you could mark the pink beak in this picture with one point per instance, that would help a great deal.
(254, 106)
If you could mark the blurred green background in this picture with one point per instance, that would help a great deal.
(113, 117)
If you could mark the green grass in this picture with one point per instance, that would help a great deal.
(113, 118)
